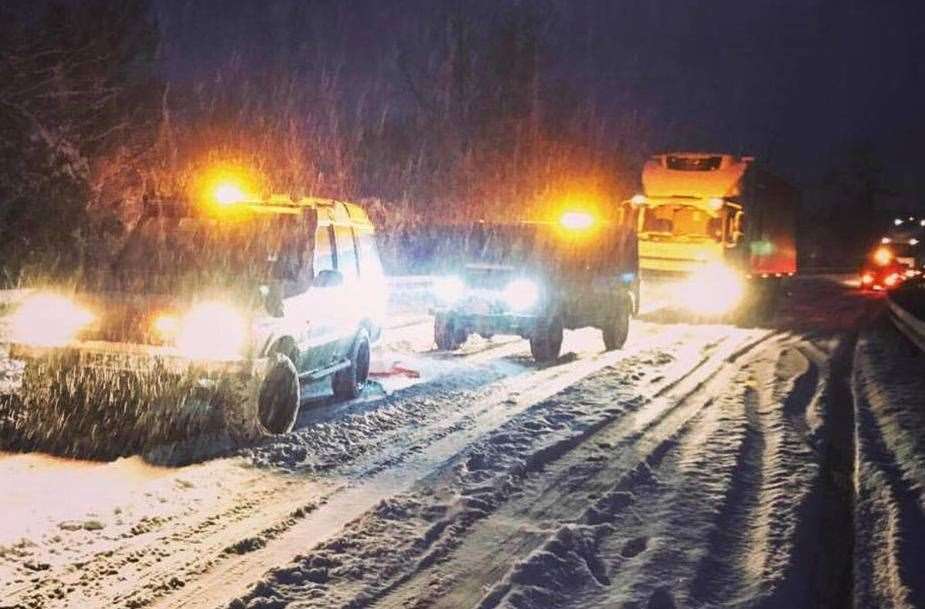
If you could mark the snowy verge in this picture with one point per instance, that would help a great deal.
(889, 390)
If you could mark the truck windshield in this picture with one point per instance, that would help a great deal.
(170, 255)
(543, 247)
(681, 222)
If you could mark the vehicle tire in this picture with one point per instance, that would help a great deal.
(546, 342)
(617, 329)
(279, 397)
(349, 382)
(446, 334)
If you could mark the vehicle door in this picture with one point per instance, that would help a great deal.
(320, 342)
(350, 299)
(289, 243)
(372, 280)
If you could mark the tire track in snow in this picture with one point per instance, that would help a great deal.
(755, 553)
(139, 572)
(413, 460)
(890, 512)
(482, 498)
(679, 540)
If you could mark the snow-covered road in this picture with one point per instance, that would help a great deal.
(704, 465)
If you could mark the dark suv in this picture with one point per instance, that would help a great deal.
(534, 279)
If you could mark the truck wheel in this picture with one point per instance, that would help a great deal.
(546, 342)
(616, 330)
(446, 335)
(349, 382)
(279, 397)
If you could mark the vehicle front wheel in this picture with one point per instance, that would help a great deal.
(447, 336)
(617, 330)
(349, 382)
(546, 342)
(279, 397)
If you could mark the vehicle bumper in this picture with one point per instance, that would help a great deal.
(582, 307)
(101, 363)
(490, 324)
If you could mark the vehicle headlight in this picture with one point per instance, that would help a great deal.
(209, 331)
(713, 290)
(449, 289)
(521, 294)
(48, 320)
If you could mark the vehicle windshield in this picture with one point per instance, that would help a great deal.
(681, 222)
(170, 255)
(542, 246)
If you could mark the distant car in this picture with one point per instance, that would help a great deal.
(883, 277)
(239, 304)
(534, 279)
(886, 269)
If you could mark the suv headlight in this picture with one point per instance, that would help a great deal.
(48, 320)
(521, 294)
(208, 331)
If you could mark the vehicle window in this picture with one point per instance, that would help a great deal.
(370, 264)
(324, 250)
(346, 253)
(681, 221)
(166, 254)
(289, 256)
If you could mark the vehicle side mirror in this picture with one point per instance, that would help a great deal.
(738, 227)
(329, 279)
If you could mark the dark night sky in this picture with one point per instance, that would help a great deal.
(791, 81)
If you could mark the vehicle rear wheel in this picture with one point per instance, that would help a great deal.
(447, 336)
(349, 382)
(546, 342)
(279, 397)
(617, 329)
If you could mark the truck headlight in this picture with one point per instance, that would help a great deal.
(521, 294)
(449, 289)
(48, 320)
(713, 290)
(209, 331)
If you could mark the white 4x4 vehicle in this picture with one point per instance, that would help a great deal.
(233, 309)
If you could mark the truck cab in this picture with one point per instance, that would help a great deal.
(710, 224)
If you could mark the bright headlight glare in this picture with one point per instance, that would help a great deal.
(521, 294)
(714, 290)
(883, 256)
(449, 289)
(48, 320)
(576, 220)
(211, 331)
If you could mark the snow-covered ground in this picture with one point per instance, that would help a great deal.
(702, 466)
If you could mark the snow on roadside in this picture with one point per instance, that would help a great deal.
(68, 525)
(889, 389)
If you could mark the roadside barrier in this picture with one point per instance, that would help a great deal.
(907, 323)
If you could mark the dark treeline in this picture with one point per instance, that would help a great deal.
(433, 111)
